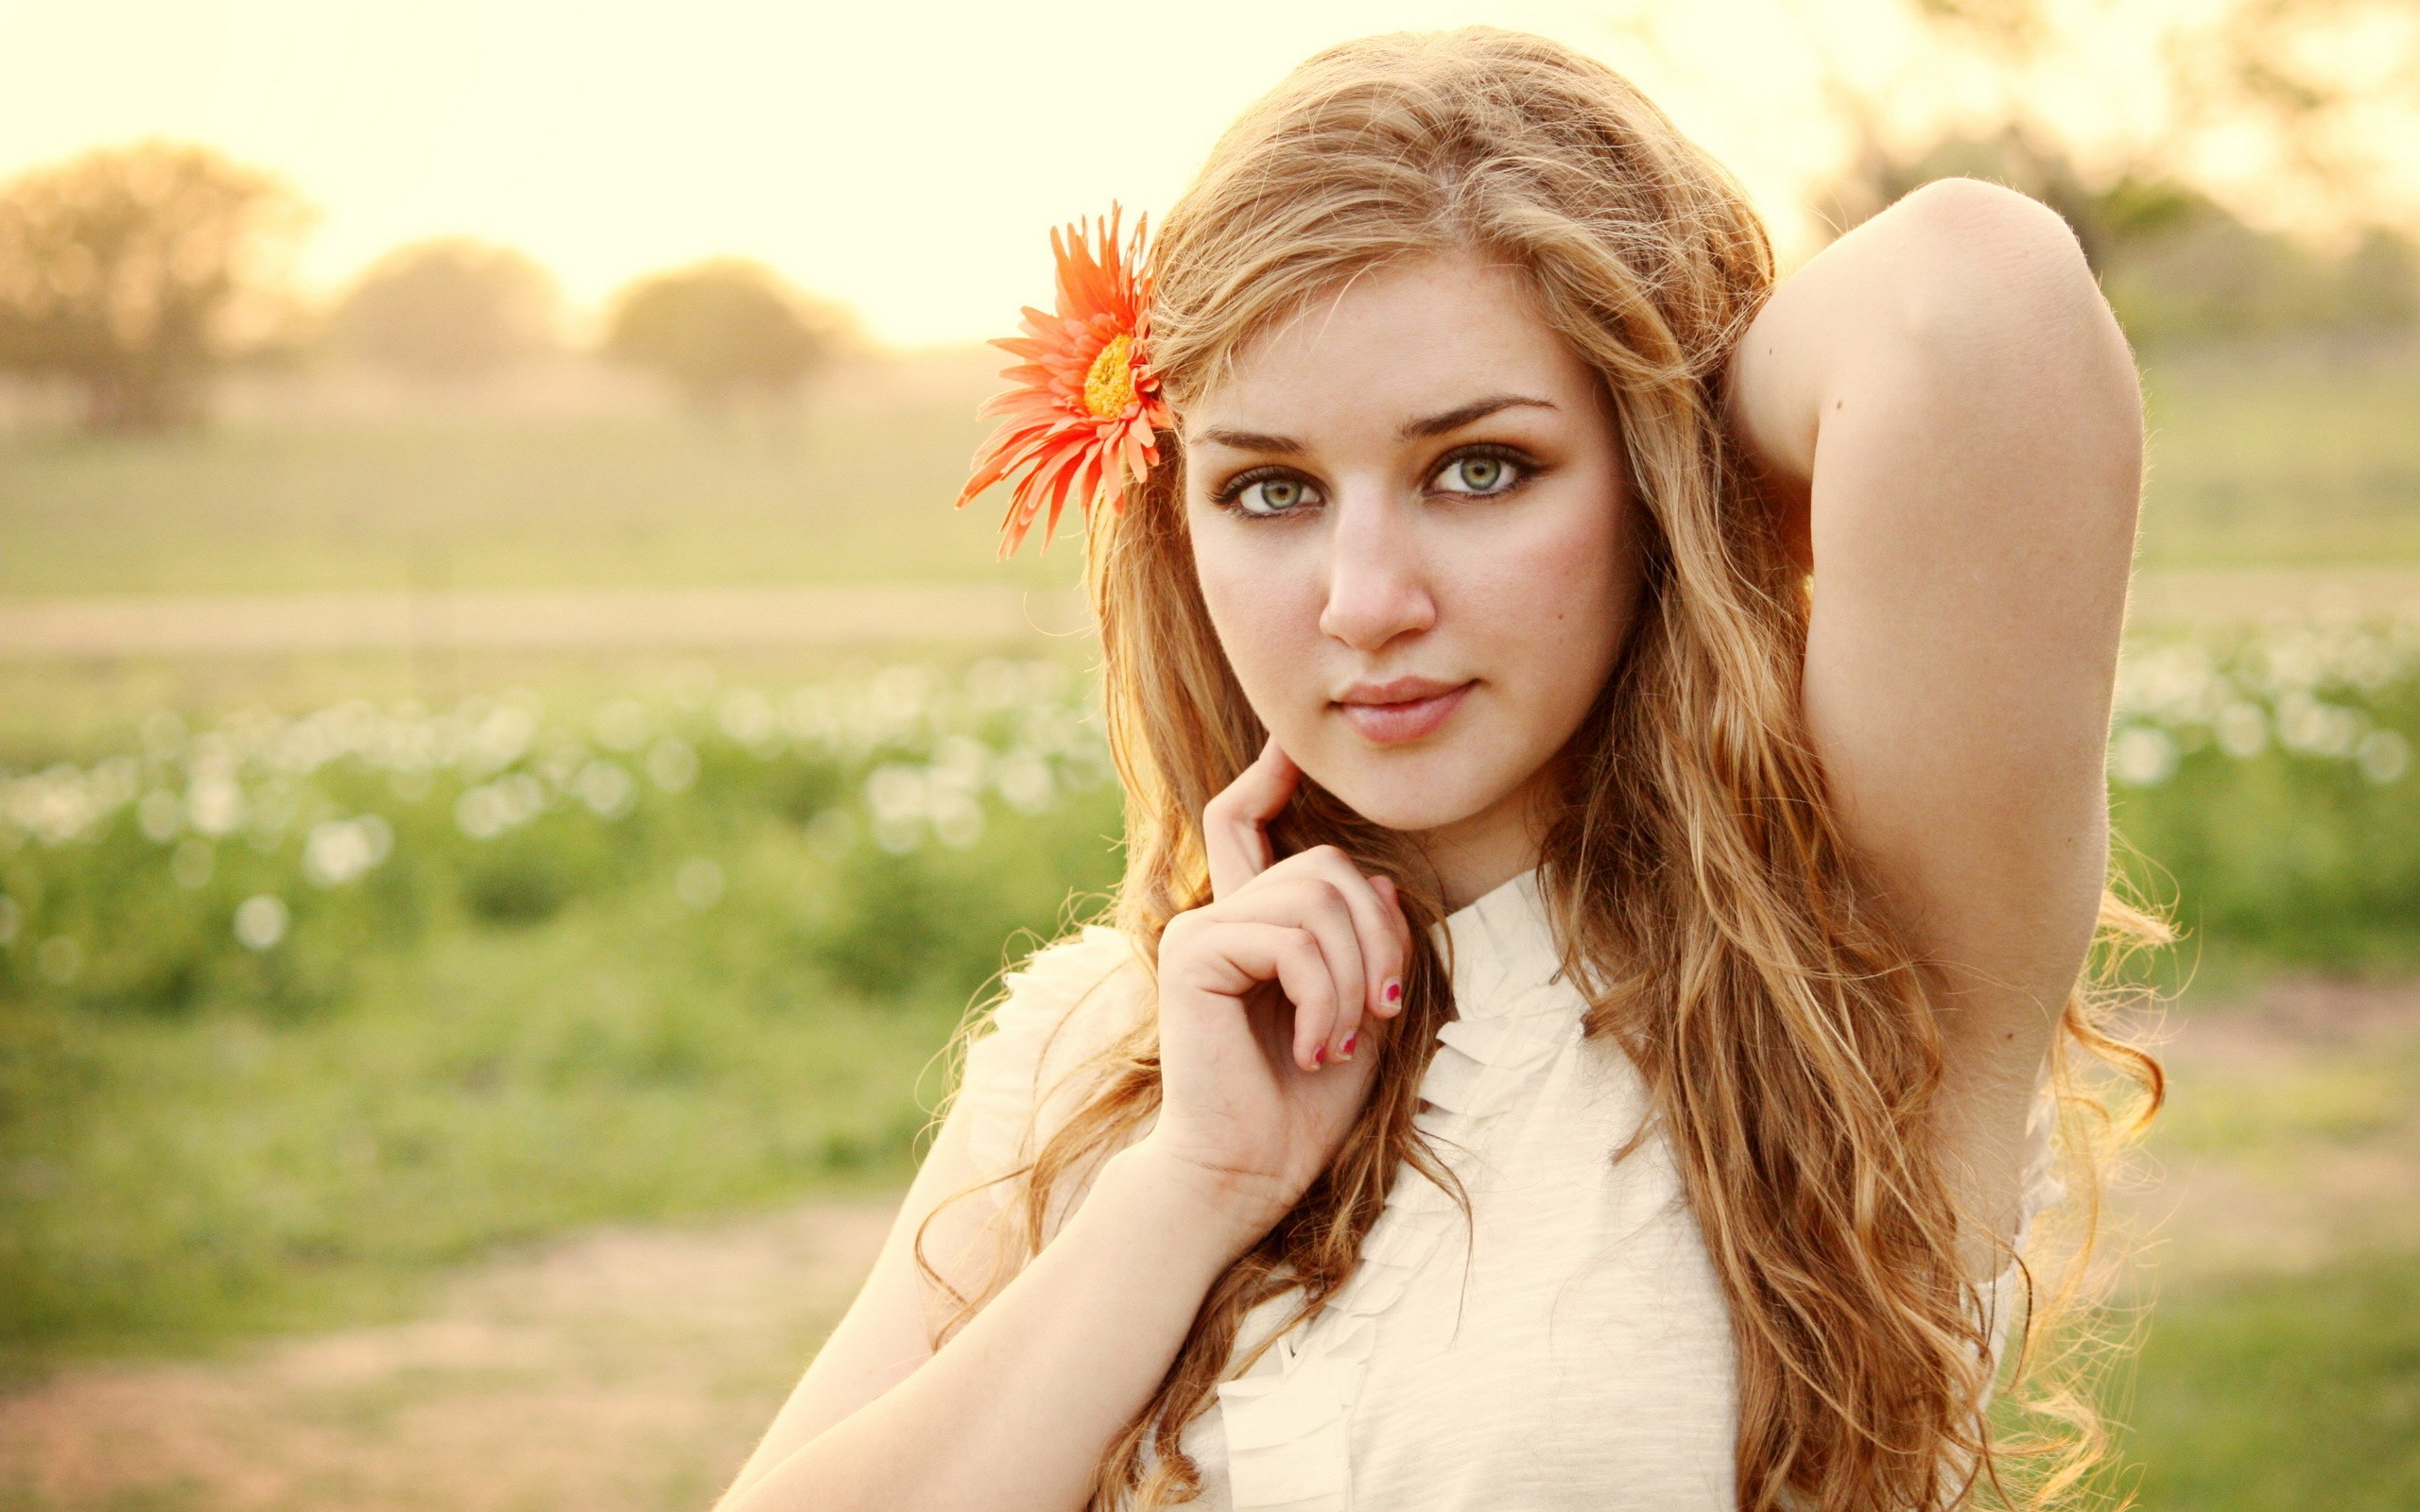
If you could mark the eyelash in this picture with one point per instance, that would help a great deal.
(1523, 470)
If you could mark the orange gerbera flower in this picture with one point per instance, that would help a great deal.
(1080, 420)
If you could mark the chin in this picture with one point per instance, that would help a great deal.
(1427, 791)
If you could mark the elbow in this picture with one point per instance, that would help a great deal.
(1995, 295)
(1979, 212)
(1981, 264)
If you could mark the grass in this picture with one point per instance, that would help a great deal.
(218, 1176)
(2279, 1366)
(2265, 1122)
(2281, 1392)
(2261, 788)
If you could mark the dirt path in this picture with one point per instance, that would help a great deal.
(626, 1371)
(2291, 1134)
(629, 1371)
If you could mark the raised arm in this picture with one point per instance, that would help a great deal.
(1946, 403)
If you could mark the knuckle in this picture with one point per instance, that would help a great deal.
(1305, 863)
(1323, 894)
(1300, 897)
(1338, 861)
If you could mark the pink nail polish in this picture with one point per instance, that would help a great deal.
(1344, 1051)
(1319, 1058)
(1394, 991)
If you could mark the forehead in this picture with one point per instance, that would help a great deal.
(1416, 337)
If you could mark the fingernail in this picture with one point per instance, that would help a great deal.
(1394, 991)
(1344, 1051)
(1319, 1058)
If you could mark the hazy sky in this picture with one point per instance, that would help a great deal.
(906, 157)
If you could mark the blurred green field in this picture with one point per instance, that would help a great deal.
(2282, 453)
(2276, 1226)
(2291, 1390)
(292, 1011)
(855, 489)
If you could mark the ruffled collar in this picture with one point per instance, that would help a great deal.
(1288, 1419)
(1500, 944)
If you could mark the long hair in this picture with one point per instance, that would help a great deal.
(1699, 885)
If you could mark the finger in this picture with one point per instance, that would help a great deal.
(1232, 838)
(1328, 916)
(1243, 953)
(1292, 955)
(1317, 1003)
(1340, 932)
(1316, 904)
(1391, 972)
(1378, 922)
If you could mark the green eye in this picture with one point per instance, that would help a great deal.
(1477, 475)
(1272, 496)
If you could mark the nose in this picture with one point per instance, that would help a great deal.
(1377, 580)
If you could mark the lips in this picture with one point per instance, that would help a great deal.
(1403, 709)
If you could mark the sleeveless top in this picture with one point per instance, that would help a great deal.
(1570, 1348)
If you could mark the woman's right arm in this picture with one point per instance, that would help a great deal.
(1015, 1409)
(1263, 995)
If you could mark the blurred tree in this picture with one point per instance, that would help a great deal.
(2172, 259)
(448, 310)
(2015, 154)
(2017, 28)
(723, 327)
(2319, 89)
(131, 271)
(2174, 262)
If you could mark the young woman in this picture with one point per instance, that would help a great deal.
(1616, 822)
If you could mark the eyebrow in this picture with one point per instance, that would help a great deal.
(1441, 425)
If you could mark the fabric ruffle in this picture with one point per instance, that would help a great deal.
(1287, 1422)
(2040, 1187)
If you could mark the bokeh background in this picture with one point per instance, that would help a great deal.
(511, 770)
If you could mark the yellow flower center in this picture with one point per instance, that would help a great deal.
(1108, 387)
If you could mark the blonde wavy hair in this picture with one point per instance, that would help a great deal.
(1700, 885)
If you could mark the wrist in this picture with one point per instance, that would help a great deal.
(1223, 1212)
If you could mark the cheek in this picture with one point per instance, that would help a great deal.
(1559, 596)
(1265, 611)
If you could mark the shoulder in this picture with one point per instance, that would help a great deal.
(1068, 1002)
(1086, 981)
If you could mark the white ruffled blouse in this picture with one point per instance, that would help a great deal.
(1570, 1350)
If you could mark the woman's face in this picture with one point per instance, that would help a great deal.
(1412, 525)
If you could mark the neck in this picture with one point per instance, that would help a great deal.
(1474, 856)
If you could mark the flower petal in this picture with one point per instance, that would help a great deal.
(1048, 442)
